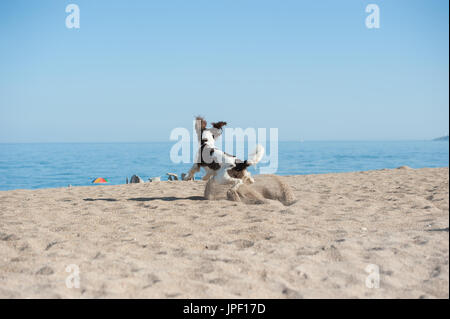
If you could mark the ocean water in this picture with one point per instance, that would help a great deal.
(31, 166)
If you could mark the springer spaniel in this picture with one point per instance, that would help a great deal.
(215, 131)
(223, 167)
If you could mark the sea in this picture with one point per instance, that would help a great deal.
(40, 165)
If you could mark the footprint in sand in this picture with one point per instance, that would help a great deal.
(307, 252)
(243, 243)
(333, 253)
(291, 293)
(435, 272)
(46, 271)
(151, 280)
(8, 237)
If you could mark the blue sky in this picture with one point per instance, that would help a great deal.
(137, 69)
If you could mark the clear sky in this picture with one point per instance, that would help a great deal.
(137, 69)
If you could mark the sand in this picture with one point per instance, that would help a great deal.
(163, 240)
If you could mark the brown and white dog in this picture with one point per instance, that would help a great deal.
(215, 131)
(223, 167)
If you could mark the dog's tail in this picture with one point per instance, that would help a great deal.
(256, 156)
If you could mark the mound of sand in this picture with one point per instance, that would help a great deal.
(266, 187)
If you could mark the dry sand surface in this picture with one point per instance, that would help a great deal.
(163, 240)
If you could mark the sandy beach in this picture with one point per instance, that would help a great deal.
(163, 240)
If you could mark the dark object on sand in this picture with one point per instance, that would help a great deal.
(172, 176)
(136, 179)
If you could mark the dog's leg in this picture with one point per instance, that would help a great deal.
(233, 196)
(247, 178)
(195, 168)
(223, 177)
(209, 173)
(237, 183)
(209, 195)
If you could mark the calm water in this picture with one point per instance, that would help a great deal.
(57, 165)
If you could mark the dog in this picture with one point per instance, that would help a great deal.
(222, 167)
(214, 132)
(232, 170)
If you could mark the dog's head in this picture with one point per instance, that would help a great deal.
(216, 129)
(241, 172)
(205, 134)
(219, 125)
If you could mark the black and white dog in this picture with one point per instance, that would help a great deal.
(222, 167)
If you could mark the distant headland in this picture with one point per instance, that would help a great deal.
(442, 138)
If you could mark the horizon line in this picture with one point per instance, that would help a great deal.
(282, 141)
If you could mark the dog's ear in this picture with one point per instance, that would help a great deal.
(200, 125)
(219, 125)
(201, 122)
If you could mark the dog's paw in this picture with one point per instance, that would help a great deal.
(185, 177)
(233, 195)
